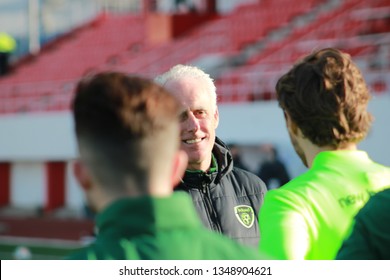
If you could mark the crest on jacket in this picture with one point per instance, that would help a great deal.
(245, 215)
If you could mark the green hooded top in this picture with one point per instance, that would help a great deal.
(150, 228)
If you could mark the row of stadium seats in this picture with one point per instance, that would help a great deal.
(339, 27)
(119, 42)
(80, 50)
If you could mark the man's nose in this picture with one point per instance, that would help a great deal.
(192, 123)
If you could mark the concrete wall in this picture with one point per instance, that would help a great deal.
(27, 184)
(37, 137)
(27, 141)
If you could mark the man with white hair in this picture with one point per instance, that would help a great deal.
(227, 198)
(127, 132)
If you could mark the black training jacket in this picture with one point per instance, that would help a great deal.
(228, 201)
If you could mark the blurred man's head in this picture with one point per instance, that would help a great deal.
(128, 138)
(199, 113)
(324, 98)
(269, 152)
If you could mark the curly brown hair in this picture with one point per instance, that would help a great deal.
(326, 96)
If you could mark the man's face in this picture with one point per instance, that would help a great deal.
(198, 121)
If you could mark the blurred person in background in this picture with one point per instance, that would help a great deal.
(324, 99)
(127, 132)
(236, 154)
(272, 170)
(228, 199)
(7, 46)
(370, 234)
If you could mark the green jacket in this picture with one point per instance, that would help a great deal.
(150, 228)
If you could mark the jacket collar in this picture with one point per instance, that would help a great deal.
(340, 157)
(224, 161)
(223, 156)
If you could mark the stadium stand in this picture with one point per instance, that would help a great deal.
(257, 41)
(45, 82)
(341, 27)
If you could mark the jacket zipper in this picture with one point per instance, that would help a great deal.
(209, 206)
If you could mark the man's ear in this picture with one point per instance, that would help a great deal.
(180, 162)
(82, 175)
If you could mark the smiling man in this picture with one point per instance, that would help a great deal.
(227, 198)
(129, 161)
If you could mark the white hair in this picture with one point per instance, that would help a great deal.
(186, 71)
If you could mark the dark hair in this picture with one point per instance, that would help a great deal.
(326, 96)
(125, 127)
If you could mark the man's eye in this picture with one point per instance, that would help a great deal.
(200, 113)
